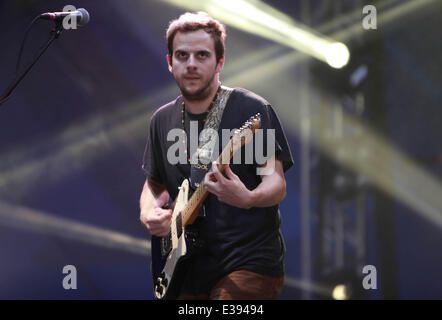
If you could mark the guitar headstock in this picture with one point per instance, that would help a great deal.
(245, 134)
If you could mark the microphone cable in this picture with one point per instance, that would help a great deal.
(17, 66)
(17, 79)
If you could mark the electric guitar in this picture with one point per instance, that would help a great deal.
(170, 253)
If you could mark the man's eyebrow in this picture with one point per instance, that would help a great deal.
(191, 50)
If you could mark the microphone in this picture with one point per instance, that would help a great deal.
(81, 15)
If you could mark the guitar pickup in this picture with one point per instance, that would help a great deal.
(179, 225)
(166, 246)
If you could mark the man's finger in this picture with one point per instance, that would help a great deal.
(167, 215)
(209, 184)
(162, 199)
(217, 173)
(162, 214)
(209, 178)
(229, 172)
(159, 231)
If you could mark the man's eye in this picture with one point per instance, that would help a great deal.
(181, 54)
(202, 54)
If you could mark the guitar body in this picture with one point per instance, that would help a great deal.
(171, 268)
(169, 253)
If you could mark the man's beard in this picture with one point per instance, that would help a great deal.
(200, 94)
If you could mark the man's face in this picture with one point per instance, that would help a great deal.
(194, 64)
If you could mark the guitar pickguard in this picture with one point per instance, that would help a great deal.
(173, 246)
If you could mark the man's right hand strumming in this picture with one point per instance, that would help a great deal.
(155, 213)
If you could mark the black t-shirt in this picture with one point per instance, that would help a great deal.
(236, 239)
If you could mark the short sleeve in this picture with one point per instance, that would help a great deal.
(152, 159)
(274, 141)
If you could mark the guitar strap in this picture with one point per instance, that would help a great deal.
(201, 160)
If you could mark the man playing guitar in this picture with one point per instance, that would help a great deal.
(242, 251)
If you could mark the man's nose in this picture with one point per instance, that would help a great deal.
(191, 62)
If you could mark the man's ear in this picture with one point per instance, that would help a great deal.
(169, 62)
(220, 65)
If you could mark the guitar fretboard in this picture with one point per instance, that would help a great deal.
(191, 211)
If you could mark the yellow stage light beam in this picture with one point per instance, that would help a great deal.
(258, 18)
(382, 163)
(20, 217)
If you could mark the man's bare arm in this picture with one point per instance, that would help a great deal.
(151, 192)
(231, 190)
(152, 215)
(272, 189)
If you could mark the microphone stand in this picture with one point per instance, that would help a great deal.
(54, 35)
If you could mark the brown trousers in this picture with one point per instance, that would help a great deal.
(241, 285)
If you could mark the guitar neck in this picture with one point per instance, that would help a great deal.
(191, 211)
